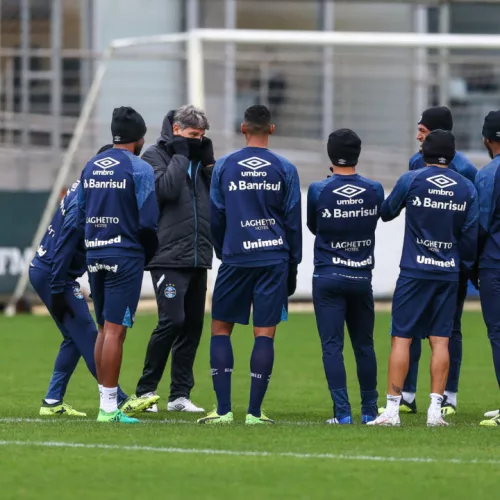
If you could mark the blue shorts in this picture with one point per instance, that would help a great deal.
(423, 308)
(237, 288)
(115, 284)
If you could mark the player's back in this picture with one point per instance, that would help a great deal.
(460, 164)
(115, 185)
(488, 188)
(47, 247)
(255, 185)
(342, 211)
(437, 202)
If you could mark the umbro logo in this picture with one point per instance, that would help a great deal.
(441, 181)
(349, 191)
(106, 163)
(254, 163)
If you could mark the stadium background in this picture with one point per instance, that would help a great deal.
(49, 50)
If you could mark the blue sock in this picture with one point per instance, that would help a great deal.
(261, 367)
(221, 364)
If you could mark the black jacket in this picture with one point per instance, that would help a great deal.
(183, 193)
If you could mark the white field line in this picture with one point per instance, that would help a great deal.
(242, 453)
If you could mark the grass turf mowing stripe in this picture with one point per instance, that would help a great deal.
(243, 453)
(48, 420)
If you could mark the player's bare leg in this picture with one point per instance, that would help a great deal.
(440, 365)
(221, 366)
(399, 361)
(110, 365)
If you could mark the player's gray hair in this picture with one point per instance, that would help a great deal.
(189, 116)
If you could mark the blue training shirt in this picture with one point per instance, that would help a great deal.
(441, 222)
(255, 210)
(343, 211)
(62, 252)
(488, 191)
(460, 164)
(117, 201)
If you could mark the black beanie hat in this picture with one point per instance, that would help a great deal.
(127, 126)
(439, 147)
(344, 147)
(437, 118)
(105, 148)
(491, 127)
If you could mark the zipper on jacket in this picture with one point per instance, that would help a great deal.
(193, 188)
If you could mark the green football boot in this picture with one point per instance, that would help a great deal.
(213, 418)
(59, 409)
(262, 420)
(115, 416)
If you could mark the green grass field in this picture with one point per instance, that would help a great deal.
(300, 457)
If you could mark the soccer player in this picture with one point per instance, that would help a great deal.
(117, 199)
(53, 272)
(256, 232)
(342, 211)
(439, 117)
(440, 239)
(488, 190)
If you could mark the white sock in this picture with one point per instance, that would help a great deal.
(109, 399)
(452, 397)
(436, 400)
(392, 406)
(51, 401)
(408, 396)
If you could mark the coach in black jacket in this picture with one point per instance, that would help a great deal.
(182, 161)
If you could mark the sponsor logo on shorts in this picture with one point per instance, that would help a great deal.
(77, 292)
(258, 224)
(351, 246)
(435, 246)
(440, 205)
(170, 291)
(433, 262)
(353, 263)
(94, 268)
(251, 245)
(96, 243)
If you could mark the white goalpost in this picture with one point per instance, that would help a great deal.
(367, 69)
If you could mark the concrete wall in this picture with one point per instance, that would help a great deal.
(152, 86)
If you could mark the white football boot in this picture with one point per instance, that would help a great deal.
(386, 420)
(184, 404)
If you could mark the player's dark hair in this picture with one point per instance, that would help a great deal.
(257, 119)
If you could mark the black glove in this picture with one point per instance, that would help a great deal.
(178, 146)
(292, 279)
(60, 307)
(473, 276)
(149, 241)
(207, 157)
